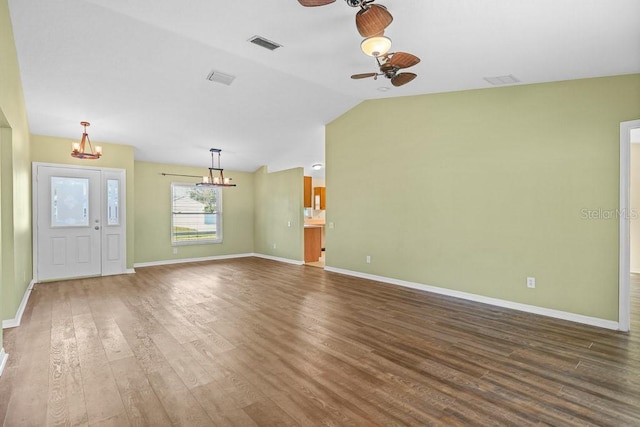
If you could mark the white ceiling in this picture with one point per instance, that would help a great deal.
(137, 69)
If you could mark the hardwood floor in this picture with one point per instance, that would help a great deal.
(257, 342)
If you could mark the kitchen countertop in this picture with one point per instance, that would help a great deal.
(314, 222)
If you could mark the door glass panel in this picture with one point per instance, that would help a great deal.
(69, 202)
(113, 211)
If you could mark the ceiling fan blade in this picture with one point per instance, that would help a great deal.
(402, 79)
(372, 20)
(312, 3)
(363, 75)
(403, 60)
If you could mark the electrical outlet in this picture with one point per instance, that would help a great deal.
(175, 251)
(288, 223)
(531, 282)
(368, 259)
(274, 246)
(331, 225)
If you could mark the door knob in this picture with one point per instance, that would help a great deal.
(97, 228)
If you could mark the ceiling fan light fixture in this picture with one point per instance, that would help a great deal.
(389, 66)
(402, 79)
(372, 19)
(376, 46)
(313, 3)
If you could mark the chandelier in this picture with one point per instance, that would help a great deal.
(216, 176)
(78, 149)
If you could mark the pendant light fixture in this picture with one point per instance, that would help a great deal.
(78, 149)
(216, 173)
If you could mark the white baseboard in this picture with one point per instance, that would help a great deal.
(216, 258)
(185, 260)
(564, 315)
(275, 258)
(125, 271)
(3, 360)
(15, 322)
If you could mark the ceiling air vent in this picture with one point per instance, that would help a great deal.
(217, 76)
(502, 80)
(267, 44)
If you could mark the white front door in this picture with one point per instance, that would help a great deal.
(79, 219)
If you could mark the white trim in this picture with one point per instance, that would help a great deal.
(218, 216)
(214, 258)
(15, 322)
(185, 260)
(275, 258)
(3, 360)
(70, 166)
(130, 271)
(579, 318)
(624, 253)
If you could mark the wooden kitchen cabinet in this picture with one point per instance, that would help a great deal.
(319, 198)
(312, 243)
(308, 196)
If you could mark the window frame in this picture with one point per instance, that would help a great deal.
(218, 216)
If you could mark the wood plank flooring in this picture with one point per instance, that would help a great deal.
(255, 342)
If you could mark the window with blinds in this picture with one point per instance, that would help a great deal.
(196, 214)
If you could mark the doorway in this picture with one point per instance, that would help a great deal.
(314, 223)
(628, 130)
(78, 222)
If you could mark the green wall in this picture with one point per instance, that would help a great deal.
(278, 202)
(474, 191)
(15, 177)
(47, 149)
(153, 214)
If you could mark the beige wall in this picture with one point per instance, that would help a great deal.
(15, 177)
(474, 191)
(153, 214)
(47, 149)
(278, 201)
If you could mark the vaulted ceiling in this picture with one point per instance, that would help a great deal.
(137, 70)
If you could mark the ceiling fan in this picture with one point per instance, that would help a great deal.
(371, 19)
(390, 64)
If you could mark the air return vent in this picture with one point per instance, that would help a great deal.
(267, 44)
(502, 80)
(217, 76)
